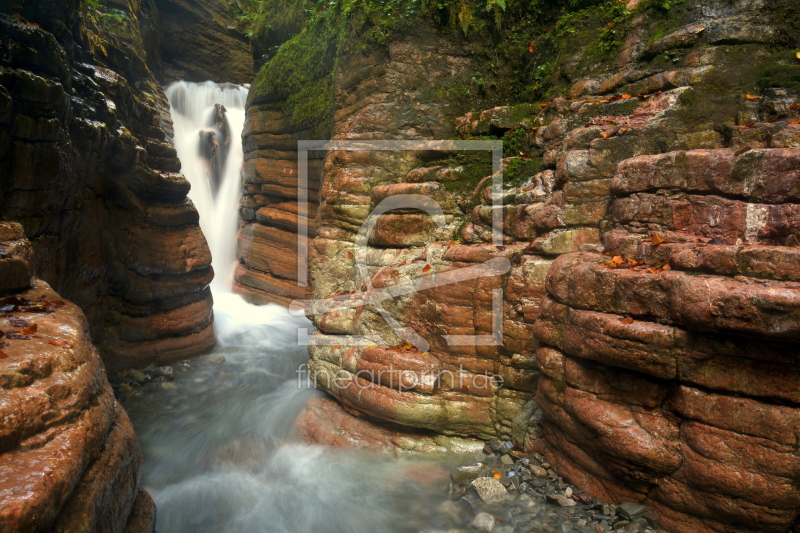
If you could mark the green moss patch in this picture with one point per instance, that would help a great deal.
(783, 77)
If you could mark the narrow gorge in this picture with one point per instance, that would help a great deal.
(403, 266)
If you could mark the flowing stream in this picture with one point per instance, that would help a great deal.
(220, 446)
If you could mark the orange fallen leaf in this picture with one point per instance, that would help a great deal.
(752, 97)
(30, 330)
(545, 104)
(628, 320)
(426, 268)
(61, 343)
(3, 354)
(531, 47)
(625, 96)
(794, 106)
(617, 260)
(797, 55)
(406, 347)
(666, 267)
(496, 474)
(350, 255)
(794, 121)
(604, 134)
(652, 270)
(656, 239)
(336, 346)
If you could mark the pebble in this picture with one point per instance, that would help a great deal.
(483, 522)
(562, 500)
(490, 490)
(460, 474)
(217, 359)
(165, 371)
(138, 376)
(538, 471)
(630, 510)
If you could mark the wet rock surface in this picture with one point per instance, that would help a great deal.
(89, 171)
(69, 459)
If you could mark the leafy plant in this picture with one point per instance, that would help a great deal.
(113, 19)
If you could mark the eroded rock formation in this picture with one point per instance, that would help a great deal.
(69, 460)
(650, 218)
(203, 40)
(89, 170)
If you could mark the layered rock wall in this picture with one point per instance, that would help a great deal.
(69, 460)
(650, 224)
(90, 172)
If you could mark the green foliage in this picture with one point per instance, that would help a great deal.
(612, 35)
(519, 169)
(476, 165)
(108, 18)
(301, 71)
(298, 42)
(784, 16)
(113, 19)
(514, 142)
(247, 15)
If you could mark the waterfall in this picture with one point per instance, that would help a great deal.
(208, 119)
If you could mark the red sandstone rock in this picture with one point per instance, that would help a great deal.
(69, 459)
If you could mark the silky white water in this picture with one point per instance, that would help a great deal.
(221, 450)
(192, 106)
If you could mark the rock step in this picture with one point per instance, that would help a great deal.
(58, 410)
(763, 308)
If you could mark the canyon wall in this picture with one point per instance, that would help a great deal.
(203, 40)
(650, 228)
(90, 172)
(69, 460)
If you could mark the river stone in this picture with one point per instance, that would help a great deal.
(538, 471)
(461, 474)
(630, 510)
(483, 521)
(490, 490)
(139, 376)
(562, 500)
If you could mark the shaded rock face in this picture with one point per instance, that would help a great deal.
(650, 308)
(89, 171)
(69, 459)
(202, 40)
